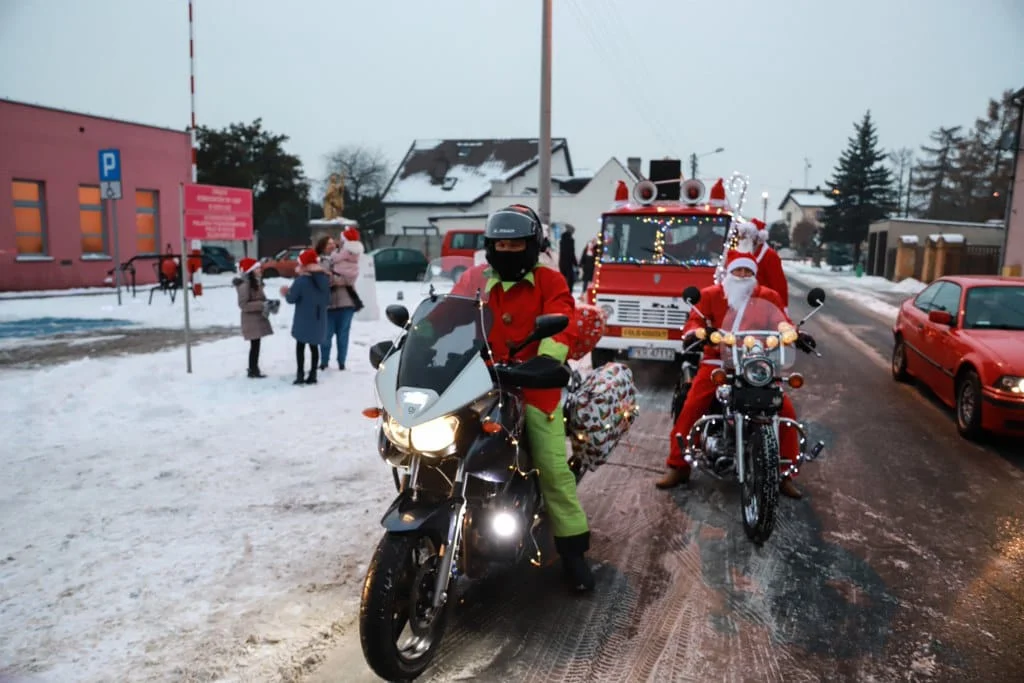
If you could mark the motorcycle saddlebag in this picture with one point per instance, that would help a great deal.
(599, 412)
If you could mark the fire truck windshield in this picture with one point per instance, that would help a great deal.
(693, 240)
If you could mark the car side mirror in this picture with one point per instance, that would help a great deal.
(548, 325)
(691, 295)
(816, 297)
(940, 317)
(397, 314)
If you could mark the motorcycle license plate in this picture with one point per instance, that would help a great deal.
(648, 353)
(757, 399)
(644, 333)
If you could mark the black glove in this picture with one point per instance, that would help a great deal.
(805, 342)
(690, 338)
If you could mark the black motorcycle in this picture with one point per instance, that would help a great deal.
(452, 427)
(738, 439)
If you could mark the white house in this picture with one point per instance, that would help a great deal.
(799, 205)
(452, 179)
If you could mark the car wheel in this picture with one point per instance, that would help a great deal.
(899, 361)
(968, 405)
(212, 270)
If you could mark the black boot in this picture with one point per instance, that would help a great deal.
(311, 377)
(577, 572)
(255, 373)
(299, 378)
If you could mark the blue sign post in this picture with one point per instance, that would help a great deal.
(110, 189)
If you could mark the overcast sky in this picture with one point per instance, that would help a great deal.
(771, 82)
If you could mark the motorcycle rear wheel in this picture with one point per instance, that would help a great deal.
(760, 492)
(396, 597)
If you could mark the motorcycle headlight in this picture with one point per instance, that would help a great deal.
(1011, 384)
(396, 433)
(436, 435)
(758, 372)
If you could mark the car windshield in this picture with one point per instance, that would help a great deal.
(445, 334)
(994, 308)
(694, 240)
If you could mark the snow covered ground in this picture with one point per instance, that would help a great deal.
(873, 293)
(156, 525)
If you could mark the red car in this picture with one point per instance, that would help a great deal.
(963, 337)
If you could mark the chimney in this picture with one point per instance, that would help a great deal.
(634, 165)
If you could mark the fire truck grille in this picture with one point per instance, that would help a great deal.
(632, 313)
(628, 312)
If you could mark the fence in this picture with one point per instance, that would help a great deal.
(979, 260)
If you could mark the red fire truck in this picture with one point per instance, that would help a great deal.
(657, 240)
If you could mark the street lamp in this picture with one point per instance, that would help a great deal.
(764, 204)
(694, 157)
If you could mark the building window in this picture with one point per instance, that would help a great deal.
(819, 215)
(147, 221)
(29, 217)
(91, 221)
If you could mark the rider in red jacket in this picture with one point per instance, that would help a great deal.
(754, 241)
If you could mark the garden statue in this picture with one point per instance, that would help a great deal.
(334, 198)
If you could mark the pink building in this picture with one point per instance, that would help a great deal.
(1013, 251)
(54, 230)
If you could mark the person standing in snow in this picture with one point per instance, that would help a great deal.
(255, 308)
(587, 261)
(567, 256)
(343, 269)
(311, 294)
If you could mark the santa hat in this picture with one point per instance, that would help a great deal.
(351, 242)
(753, 230)
(717, 197)
(308, 257)
(247, 265)
(739, 259)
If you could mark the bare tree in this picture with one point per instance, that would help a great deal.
(366, 171)
(803, 236)
(902, 161)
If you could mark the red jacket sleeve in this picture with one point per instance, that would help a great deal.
(773, 297)
(708, 295)
(556, 299)
(470, 281)
(771, 275)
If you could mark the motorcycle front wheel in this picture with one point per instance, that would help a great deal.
(399, 629)
(760, 492)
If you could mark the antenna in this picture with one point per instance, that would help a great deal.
(807, 167)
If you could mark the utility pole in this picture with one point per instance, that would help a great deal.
(693, 165)
(544, 172)
(807, 168)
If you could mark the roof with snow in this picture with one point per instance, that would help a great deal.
(807, 199)
(460, 172)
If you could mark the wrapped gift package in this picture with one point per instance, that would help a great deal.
(590, 326)
(599, 411)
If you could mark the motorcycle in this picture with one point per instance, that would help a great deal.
(738, 439)
(452, 421)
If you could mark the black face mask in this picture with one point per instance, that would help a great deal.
(512, 266)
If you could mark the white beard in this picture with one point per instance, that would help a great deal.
(738, 290)
(746, 245)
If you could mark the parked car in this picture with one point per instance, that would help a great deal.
(218, 260)
(399, 263)
(963, 338)
(283, 263)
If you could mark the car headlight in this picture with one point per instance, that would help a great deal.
(431, 437)
(758, 372)
(1011, 383)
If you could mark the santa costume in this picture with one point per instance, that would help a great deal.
(737, 303)
(754, 240)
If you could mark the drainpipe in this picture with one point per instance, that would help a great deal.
(1013, 181)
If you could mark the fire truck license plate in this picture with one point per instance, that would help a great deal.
(644, 333)
(648, 353)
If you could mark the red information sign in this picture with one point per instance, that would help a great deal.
(218, 213)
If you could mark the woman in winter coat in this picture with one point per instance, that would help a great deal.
(310, 293)
(587, 259)
(344, 271)
(253, 302)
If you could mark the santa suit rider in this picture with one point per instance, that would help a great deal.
(518, 289)
(754, 240)
(733, 303)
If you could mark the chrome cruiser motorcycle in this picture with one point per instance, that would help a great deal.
(738, 440)
(452, 422)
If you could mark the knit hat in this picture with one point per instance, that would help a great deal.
(351, 242)
(308, 257)
(247, 265)
(739, 259)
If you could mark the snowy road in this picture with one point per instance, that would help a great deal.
(904, 561)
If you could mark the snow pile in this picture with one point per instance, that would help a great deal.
(909, 286)
(867, 291)
(157, 526)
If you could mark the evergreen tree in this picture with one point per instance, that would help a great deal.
(861, 187)
(932, 188)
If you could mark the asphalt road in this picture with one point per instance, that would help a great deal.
(904, 561)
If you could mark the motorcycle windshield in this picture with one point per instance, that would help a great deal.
(459, 275)
(441, 366)
(759, 329)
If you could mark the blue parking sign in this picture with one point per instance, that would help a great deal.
(110, 165)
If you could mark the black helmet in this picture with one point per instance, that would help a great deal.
(515, 222)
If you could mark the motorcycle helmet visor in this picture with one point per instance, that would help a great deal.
(509, 224)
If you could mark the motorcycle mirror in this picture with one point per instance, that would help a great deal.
(691, 295)
(397, 314)
(816, 297)
(549, 325)
(379, 351)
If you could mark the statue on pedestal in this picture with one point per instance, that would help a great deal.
(334, 197)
